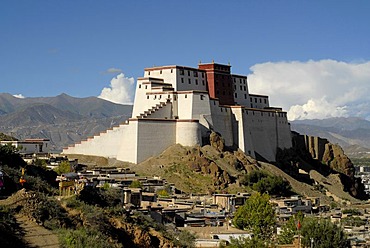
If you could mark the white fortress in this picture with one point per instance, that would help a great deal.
(177, 104)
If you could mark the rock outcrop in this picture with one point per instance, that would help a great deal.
(329, 158)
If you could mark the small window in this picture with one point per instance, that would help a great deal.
(186, 96)
(189, 81)
(245, 96)
(255, 100)
(245, 88)
(181, 72)
(203, 82)
(195, 73)
(202, 74)
(234, 87)
(201, 97)
(241, 87)
(236, 95)
(147, 97)
(160, 72)
(251, 99)
(182, 80)
(196, 81)
(139, 86)
(171, 70)
(265, 101)
(260, 100)
(149, 73)
(146, 86)
(189, 73)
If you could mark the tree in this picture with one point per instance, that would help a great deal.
(253, 242)
(290, 229)
(64, 167)
(136, 184)
(321, 232)
(256, 215)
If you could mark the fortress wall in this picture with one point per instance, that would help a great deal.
(105, 144)
(267, 131)
(185, 103)
(222, 122)
(127, 150)
(200, 105)
(188, 133)
(262, 130)
(241, 132)
(154, 136)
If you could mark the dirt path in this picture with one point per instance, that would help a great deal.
(36, 235)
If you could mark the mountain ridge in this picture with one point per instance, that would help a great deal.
(62, 119)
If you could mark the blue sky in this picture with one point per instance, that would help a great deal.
(52, 47)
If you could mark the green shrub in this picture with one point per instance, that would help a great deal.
(83, 237)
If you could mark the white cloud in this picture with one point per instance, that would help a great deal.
(314, 89)
(121, 90)
(112, 71)
(19, 96)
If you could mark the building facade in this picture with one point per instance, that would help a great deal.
(177, 104)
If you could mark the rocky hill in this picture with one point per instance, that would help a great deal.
(63, 119)
(214, 168)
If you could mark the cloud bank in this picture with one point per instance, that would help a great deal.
(121, 90)
(314, 89)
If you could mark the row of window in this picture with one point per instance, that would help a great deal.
(195, 73)
(189, 81)
(241, 80)
(255, 100)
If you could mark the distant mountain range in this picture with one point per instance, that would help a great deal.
(63, 119)
(352, 133)
(66, 120)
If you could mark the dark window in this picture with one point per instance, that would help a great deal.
(255, 100)
(182, 80)
(260, 100)
(181, 72)
(245, 88)
(160, 72)
(203, 82)
(186, 96)
(148, 72)
(241, 87)
(146, 86)
(147, 97)
(265, 101)
(139, 86)
(189, 73)
(202, 74)
(195, 74)
(189, 81)
(236, 95)
(251, 99)
(196, 81)
(171, 70)
(245, 96)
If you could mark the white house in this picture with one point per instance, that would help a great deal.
(30, 146)
(178, 104)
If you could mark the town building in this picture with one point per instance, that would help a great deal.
(30, 146)
(183, 105)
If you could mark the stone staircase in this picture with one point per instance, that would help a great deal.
(155, 109)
